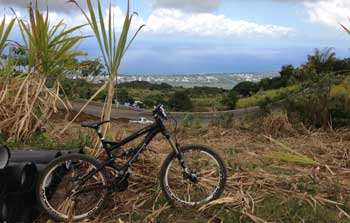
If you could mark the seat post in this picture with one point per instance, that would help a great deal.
(99, 133)
(104, 144)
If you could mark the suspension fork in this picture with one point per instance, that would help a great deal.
(175, 147)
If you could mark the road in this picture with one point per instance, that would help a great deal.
(95, 109)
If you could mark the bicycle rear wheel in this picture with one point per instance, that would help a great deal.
(61, 193)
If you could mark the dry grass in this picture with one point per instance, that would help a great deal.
(258, 189)
(277, 124)
(25, 105)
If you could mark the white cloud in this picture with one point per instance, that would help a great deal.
(179, 22)
(78, 19)
(330, 12)
(167, 21)
(188, 5)
(118, 18)
(70, 21)
(175, 21)
(54, 5)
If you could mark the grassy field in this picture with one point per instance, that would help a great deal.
(227, 86)
(201, 103)
(258, 189)
(265, 97)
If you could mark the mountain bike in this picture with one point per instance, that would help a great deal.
(190, 175)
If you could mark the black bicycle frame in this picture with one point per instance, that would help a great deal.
(150, 131)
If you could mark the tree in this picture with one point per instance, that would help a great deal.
(180, 101)
(162, 86)
(342, 66)
(272, 83)
(321, 62)
(153, 99)
(124, 97)
(91, 67)
(230, 99)
(287, 71)
(246, 88)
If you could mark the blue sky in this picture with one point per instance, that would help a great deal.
(208, 36)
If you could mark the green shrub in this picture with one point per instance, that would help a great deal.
(265, 97)
(224, 120)
(313, 103)
(101, 97)
(246, 88)
(341, 91)
(340, 103)
(80, 141)
(180, 101)
(151, 100)
(42, 140)
(230, 99)
(191, 121)
(123, 96)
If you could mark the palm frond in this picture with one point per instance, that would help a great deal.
(5, 32)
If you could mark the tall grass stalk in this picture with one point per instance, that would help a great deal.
(27, 102)
(111, 49)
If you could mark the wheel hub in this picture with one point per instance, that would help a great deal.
(191, 175)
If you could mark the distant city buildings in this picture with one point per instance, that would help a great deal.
(219, 80)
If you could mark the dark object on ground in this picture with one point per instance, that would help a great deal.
(19, 171)
(4, 156)
(41, 157)
(20, 177)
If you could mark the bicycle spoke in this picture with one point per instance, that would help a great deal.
(71, 210)
(188, 193)
(207, 173)
(64, 205)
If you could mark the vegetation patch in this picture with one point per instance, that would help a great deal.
(267, 97)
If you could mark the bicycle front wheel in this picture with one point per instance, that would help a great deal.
(204, 181)
(61, 193)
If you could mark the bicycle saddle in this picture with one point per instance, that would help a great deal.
(93, 125)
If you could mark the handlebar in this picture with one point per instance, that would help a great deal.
(159, 111)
